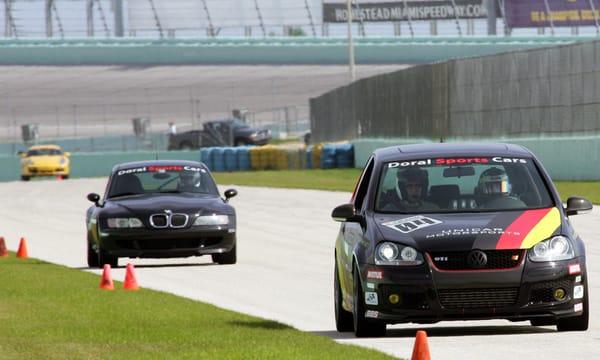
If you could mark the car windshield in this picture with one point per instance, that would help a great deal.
(162, 179)
(470, 184)
(42, 152)
(238, 123)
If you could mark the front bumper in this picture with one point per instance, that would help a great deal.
(44, 171)
(146, 243)
(425, 294)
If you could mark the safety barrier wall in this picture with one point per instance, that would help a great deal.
(573, 158)
(218, 159)
(551, 91)
(258, 51)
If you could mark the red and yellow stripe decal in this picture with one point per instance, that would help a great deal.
(529, 229)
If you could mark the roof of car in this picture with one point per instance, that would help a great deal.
(48, 146)
(136, 164)
(416, 151)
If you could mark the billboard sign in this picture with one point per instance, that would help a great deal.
(414, 10)
(538, 13)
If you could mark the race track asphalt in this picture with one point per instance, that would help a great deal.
(284, 270)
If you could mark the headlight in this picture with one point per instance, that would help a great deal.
(28, 162)
(388, 253)
(212, 220)
(124, 223)
(556, 248)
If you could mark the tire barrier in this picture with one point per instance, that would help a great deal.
(278, 157)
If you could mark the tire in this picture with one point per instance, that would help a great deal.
(92, 257)
(228, 258)
(25, 178)
(65, 177)
(576, 323)
(105, 258)
(362, 326)
(343, 319)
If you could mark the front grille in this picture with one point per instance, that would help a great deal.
(159, 220)
(179, 220)
(496, 260)
(478, 298)
(543, 292)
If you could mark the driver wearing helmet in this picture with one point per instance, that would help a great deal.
(189, 181)
(494, 189)
(409, 194)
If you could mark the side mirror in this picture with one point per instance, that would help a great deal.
(347, 213)
(578, 205)
(95, 198)
(229, 194)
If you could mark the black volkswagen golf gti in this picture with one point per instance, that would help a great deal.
(159, 209)
(457, 232)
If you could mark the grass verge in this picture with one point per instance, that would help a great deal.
(52, 312)
(345, 180)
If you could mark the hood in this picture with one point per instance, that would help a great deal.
(177, 203)
(467, 231)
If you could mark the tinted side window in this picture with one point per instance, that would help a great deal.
(363, 185)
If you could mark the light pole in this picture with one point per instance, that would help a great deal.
(351, 63)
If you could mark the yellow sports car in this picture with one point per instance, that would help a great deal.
(44, 160)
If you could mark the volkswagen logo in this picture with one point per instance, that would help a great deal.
(477, 259)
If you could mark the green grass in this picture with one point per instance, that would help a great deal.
(345, 180)
(588, 189)
(334, 179)
(52, 312)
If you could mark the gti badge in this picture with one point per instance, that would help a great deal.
(408, 225)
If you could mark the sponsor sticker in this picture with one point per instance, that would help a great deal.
(375, 274)
(457, 161)
(371, 298)
(370, 286)
(160, 169)
(410, 224)
(578, 279)
(578, 292)
(372, 314)
(574, 269)
(473, 231)
(578, 307)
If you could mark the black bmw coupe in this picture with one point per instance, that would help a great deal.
(455, 232)
(160, 209)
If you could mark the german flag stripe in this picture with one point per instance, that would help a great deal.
(515, 234)
(543, 230)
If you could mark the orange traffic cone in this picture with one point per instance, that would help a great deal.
(22, 252)
(421, 349)
(106, 282)
(130, 281)
(3, 250)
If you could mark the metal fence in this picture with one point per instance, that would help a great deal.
(220, 18)
(530, 93)
(107, 127)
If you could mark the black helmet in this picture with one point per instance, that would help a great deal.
(413, 175)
